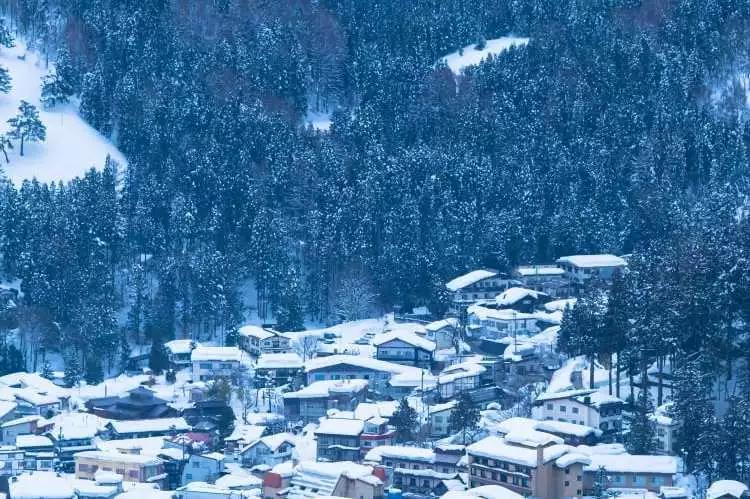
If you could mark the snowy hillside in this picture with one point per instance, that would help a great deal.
(72, 146)
(471, 56)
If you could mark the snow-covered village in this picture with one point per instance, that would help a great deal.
(383, 249)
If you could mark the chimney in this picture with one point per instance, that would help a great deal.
(539, 456)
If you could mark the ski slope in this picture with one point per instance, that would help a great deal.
(72, 146)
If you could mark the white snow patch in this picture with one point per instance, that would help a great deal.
(72, 146)
(471, 56)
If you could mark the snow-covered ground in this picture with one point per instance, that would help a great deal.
(72, 146)
(318, 120)
(470, 56)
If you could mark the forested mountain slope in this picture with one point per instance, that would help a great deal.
(599, 135)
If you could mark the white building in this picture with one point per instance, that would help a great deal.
(583, 407)
(270, 450)
(459, 378)
(499, 323)
(215, 362)
(178, 352)
(203, 467)
(256, 340)
(481, 284)
(666, 429)
(581, 268)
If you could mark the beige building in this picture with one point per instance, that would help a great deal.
(530, 463)
(628, 471)
(132, 467)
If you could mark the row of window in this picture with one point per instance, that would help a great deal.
(501, 477)
(492, 463)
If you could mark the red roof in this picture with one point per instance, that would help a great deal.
(272, 480)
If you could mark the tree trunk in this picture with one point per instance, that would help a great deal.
(591, 373)
(660, 391)
(21, 145)
(617, 377)
(610, 374)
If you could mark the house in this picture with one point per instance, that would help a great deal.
(580, 268)
(206, 413)
(440, 415)
(138, 403)
(132, 467)
(481, 284)
(215, 362)
(726, 489)
(73, 432)
(32, 402)
(521, 299)
(203, 467)
(418, 470)
(278, 369)
(627, 471)
(482, 492)
(270, 450)
(485, 322)
(41, 484)
(39, 452)
(443, 333)
(242, 435)
(141, 428)
(458, 378)
(338, 367)
(666, 429)
(339, 439)
(404, 348)
(22, 426)
(12, 460)
(178, 352)
(548, 279)
(376, 432)
(36, 383)
(256, 340)
(341, 479)
(530, 463)
(315, 400)
(277, 479)
(584, 407)
(571, 433)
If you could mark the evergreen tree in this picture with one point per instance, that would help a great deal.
(26, 125)
(54, 91)
(5, 80)
(72, 370)
(6, 38)
(405, 420)
(158, 361)
(46, 371)
(5, 146)
(94, 373)
(641, 436)
(464, 417)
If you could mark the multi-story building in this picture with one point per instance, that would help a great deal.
(178, 352)
(494, 323)
(378, 373)
(530, 463)
(141, 428)
(133, 467)
(549, 279)
(402, 347)
(203, 467)
(341, 479)
(278, 369)
(12, 460)
(666, 428)
(583, 407)
(627, 471)
(580, 268)
(256, 340)
(418, 470)
(269, 450)
(215, 362)
(339, 439)
(481, 284)
(313, 402)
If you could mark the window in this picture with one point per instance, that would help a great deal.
(639, 480)
(549, 407)
(563, 408)
(196, 464)
(205, 365)
(188, 476)
(567, 471)
(575, 410)
(567, 483)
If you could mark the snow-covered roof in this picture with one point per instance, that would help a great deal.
(446, 406)
(630, 463)
(521, 448)
(482, 492)
(7, 407)
(458, 371)
(225, 354)
(470, 55)
(550, 426)
(723, 488)
(572, 458)
(472, 277)
(273, 442)
(324, 388)
(246, 432)
(376, 454)
(22, 420)
(237, 481)
(30, 440)
(502, 314)
(178, 347)
(443, 323)
(513, 295)
(496, 448)
(41, 485)
(77, 425)
(564, 394)
(256, 332)
(356, 361)
(147, 446)
(34, 397)
(405, 337)
(531, 438)
(592, 261)
(150, 425)
(101, 455)
(367, 410)
(560, 305)
(336, 426)
(539, 270)
(36, 382)
(323, 477)
(279, 361)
